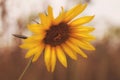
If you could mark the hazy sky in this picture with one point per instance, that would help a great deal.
(105, 11)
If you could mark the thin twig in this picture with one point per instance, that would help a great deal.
(30, 61)
(26, 68)
(35, 21)
(20, 36)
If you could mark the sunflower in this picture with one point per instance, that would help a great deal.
(57, 37)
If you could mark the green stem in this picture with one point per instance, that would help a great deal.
(26, 68)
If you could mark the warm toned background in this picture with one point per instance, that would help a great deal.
(102, 64)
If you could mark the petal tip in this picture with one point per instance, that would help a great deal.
(34, 60)
(21, 46)
(26, 56)
(85, 57)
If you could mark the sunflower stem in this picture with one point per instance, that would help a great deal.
(26, 68)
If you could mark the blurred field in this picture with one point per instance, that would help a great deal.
(102, 64)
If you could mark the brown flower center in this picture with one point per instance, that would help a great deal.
(57, 34)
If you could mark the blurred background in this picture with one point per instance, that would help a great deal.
(102, 64)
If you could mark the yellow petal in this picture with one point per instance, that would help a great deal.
(42, 18)
(82, 44)
(50, 12)
(59, 18)
(81, 20)
(87, 45)
(32, 41)
(69, 52)
(53, 59)
(76, 49)
(47, 56)
(82, 29)
(37, 55)
(34, 38)
(37, 36)
(68, 13)
(82, 54)
(89, 39)
(74, 12)
(28, 45)
(50, 58)
(61, 56)
(36, 28)
(31, 52)
(45, 21)
(82, 36)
